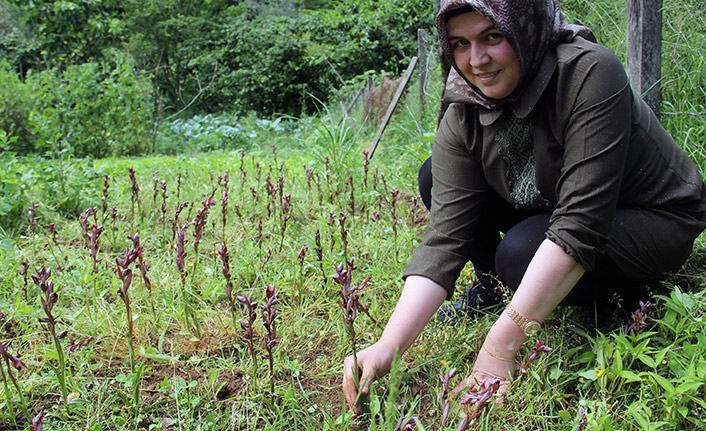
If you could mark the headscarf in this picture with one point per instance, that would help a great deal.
(530, 26)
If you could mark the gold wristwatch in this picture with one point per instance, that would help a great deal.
(529, 327)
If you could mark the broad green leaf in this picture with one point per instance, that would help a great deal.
(664, 383)
(617, 362)
(647, 360)
(629, 376)
(688, 387)
(588, 374)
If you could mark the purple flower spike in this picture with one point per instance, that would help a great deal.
(37, 422)
(638, 319)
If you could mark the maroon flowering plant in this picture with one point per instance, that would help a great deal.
(180, 249)
(9, 358)
(344, 233)
(224, 180)
(271, 192)
(37, 422)
(51, 227)
(225, 259)
(318, 248)
(444, 401)
(478, 398)
(539, 347)
(178, 192)
(75, 345)
(155, 187)
(125, 275)
(350, 304)
(175, 220)
(104, 198)
(286, 216)
(248, 326)
(200, 222)
(255, 196)
(24, 273)
(638, 319)
(42, 278)
(349, 183)
(135, 191)
(406, 424)
(258, 240)
(33, 218)
(10, 361)
(138, 249)
(366, 165)
(269, 316)
(301, 254)
(91, 234)
(582, 419)
(309, 177)
(163, 187)
(393, 203)
(415, 207)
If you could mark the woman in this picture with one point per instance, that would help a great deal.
(545, 141)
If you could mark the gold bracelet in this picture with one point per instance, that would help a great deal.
(496, 356)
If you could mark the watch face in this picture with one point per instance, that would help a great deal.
(532, 328)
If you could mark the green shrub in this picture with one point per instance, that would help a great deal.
(13, 182)
(93, 109)
(15, 106)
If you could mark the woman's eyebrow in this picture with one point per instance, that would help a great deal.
(488, 29)
(491, 27)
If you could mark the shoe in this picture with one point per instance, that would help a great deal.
(474, 300)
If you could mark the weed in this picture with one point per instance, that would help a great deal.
(42, 279)
(269, 317)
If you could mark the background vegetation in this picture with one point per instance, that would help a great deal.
(188, 94)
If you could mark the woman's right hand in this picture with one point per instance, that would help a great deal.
(373, 362)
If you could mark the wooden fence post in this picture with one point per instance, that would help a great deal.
(391, 108)
(422, 54)
(644, 53)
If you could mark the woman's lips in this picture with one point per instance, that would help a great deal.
(487, 77)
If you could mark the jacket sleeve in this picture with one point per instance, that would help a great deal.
(594, 93)
(458, 191)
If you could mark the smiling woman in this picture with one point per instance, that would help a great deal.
(483, 55)
(545, 143)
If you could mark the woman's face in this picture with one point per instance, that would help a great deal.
(483, 55)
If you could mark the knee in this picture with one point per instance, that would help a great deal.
(425, 180)
(517, 248)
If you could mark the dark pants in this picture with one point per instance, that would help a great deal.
(506, 258)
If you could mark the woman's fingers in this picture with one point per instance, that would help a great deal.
(466, 384)
(373, 362)
(367, 377)
(349, 386)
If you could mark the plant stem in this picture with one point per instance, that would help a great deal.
(61, 369)
(23, 402)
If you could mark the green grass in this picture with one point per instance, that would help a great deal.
(203, 380)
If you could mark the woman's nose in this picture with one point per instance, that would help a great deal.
(479, 55)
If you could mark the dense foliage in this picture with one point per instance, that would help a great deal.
(266, 57)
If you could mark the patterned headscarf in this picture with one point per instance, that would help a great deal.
(530, 26)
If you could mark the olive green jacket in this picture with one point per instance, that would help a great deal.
(597, 147)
